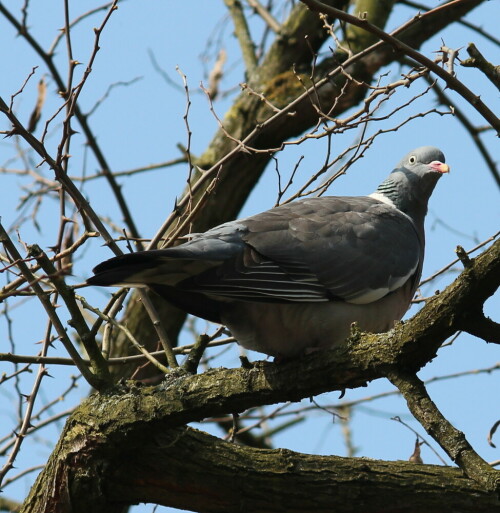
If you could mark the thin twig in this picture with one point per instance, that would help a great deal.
(289, 109)
(77, 321)
(463, 22)
(451, 81)
(477, 60)
(159, 328)
(419, 436)
(127, 333)
(453, 262)
(473, 131)
(264, 13)
(122, 360)
(26, 422)
(92, 379)
(61, 176)
(91, 140)
(134, 171)
(449, 438)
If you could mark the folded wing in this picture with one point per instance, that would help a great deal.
(319, 249)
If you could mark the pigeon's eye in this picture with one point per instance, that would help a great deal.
(412, 159)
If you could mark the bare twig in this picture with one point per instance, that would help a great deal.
(451, 81)
(419, 436)
(159, 328)
(77, 321)
(465, 23)
(12, 288)
(37, 111)
(98, 381)
(26, 422)
(48, 59)
(130, 172)
(492, 432)
(122, 360)
(75, 22)
(216, 74)
(473, 131)
(453, 262)
(264, 13)
(289, 109)
(61, 176)
(19, 475)
(192, 361)
(127, 333)
(106, 94)
(242, 32)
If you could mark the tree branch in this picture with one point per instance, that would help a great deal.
(9, 505)
(397, 44)
(478, 61)
(97, 361)
(473, 132)
(129, 414)
(477, 324)
(48, 59)
(242, 32)
(196, 471)
(98, 377)
(451, 439)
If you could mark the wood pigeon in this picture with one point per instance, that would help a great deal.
(294, 278)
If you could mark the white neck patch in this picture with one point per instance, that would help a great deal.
(383, 198)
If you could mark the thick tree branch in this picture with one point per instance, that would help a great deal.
(193, 470)
(242, 32)
(477, 324)
(451, 439)
(129, 413)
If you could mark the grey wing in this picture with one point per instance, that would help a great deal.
(318, 249)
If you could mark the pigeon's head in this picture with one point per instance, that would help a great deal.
(410, 185)
(423, 162)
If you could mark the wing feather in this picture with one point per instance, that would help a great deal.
(353, 248)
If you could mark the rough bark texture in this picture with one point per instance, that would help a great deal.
(192, 470)
(133, 439)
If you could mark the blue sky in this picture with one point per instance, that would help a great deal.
(142, 123)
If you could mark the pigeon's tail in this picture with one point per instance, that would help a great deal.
(127, 269)
(161, 270)
(158, 267)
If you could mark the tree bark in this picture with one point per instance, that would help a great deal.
(189, 469)
(131, 444)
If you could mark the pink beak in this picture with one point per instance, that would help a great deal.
(439, 167)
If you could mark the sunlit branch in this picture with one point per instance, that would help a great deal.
(451, 81)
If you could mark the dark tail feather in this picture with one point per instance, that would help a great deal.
(131, 269)
(121, 268)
